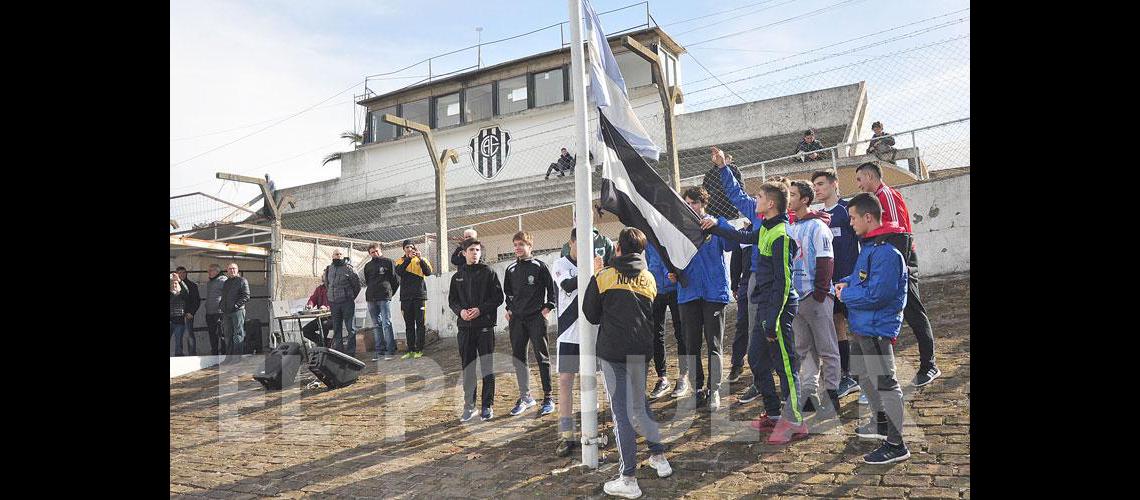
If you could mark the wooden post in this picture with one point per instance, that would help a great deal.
(670, 96)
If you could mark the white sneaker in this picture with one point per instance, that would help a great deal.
(660, 463)
(714, 402)
(625, 487)
(863, 399)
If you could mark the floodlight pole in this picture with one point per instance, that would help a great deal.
(439, 161)
(670, 97)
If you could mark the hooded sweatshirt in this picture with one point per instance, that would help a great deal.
(813, 262)
(620, 300)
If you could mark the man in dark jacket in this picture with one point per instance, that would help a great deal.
(564, 164)
(603, 247)
(382, 282)
(179, 293)
(235, 293)
(413, 269)
(193, 302)
(475, 297)
(458, 259)
(881, 142)
(344, 286)
(808, 145)
(531, 295)
(214, 306)
(620, 299)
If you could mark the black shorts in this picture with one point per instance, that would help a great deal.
(840, 308)
(568, 357)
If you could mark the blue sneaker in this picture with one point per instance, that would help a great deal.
(847, 385)
(547, 407)
(863, 399)
(522, 404)
(487, 414)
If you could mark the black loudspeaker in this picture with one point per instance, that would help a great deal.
(281, 366)
(334, 368)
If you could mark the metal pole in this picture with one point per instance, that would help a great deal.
(520, 223)
(763, 172)
(583, 214)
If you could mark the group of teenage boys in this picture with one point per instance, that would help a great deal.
(825, 293)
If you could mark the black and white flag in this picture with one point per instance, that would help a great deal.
(640, 198)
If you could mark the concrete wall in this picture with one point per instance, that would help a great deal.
(837, 106)
(940, 217)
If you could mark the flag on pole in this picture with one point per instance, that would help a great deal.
(640, 198)
(607, 89)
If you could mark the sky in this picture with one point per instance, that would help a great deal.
(259, 86)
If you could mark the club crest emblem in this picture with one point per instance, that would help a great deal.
(490, 150)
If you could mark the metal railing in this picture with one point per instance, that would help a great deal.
(834, 149)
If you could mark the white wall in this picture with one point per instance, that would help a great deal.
(940, 218)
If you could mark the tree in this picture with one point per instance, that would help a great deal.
(347, 134)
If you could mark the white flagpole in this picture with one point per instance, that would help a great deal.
(584, 211)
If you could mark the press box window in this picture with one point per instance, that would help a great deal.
(549, 87)
(416, 111)
(477, 103)
(378, 131)
(512, 95)
(447, 110)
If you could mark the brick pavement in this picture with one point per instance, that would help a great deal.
(395, 433)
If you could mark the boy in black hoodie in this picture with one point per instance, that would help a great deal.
(475, 297)
(620, 299)
(531, 295)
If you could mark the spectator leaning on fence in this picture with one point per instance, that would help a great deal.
(382, 282)
(193, 302)
(875, 294)
(457, 257)
(344, 286)
(213, 306)
(564, 164)
(877, 145)
(179, 294)
(413, 269)
(235, 293)
(474, 297)
(809, 144)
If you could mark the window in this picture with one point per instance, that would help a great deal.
(549, 87)
(635, 70)
(447, 110)
(512, 95)
(477, 103)
(670, 69)
(377, 130)
(416, 111)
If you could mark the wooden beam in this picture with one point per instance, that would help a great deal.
(240, 178)
(215, 245)
(403, 122)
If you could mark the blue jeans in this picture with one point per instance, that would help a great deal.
(342, 316)
(177, 329)
(381, 315)
(625, 385)
(234, 326)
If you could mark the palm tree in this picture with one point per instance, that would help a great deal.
(347, 134)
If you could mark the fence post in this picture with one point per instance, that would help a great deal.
(763, 171)
(917, 156)
(520, 222)
(316, 245)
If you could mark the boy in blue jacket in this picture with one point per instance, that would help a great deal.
(771, 345)
(875, 294)
(702, 299)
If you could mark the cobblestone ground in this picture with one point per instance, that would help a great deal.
(395, 433)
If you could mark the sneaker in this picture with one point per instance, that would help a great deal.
(487, 414)
(873, 429)
(661, 464)
(566, 448)
(847, 385)
(522, 404)
(417, 355)
(924, 377)
(785, 432)
(547, 407)
(660, 389)
(764, 423)
(749, 396)
(376, 358)
(714, 400)
(702, 398)
(735, 373)
(407, 355)
(682, 388)
(468, 413)
(623, 486)
(887, 453)
(863, 399)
